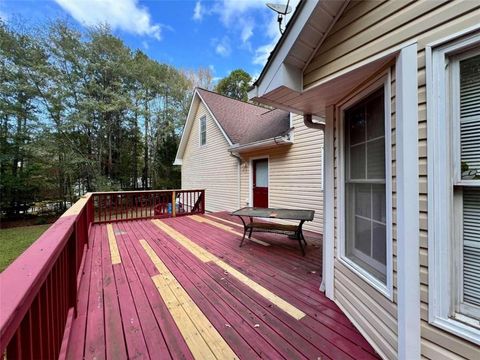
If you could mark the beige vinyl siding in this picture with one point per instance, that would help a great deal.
(373, 313)
(365, 29)
(295, 173)
(210, 166)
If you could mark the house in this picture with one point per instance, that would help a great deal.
(248, 155)
(398, 84)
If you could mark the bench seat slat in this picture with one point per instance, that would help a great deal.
(272, 226)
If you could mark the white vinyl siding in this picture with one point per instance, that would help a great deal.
(203, 130)
(295, 173)
(210, 166)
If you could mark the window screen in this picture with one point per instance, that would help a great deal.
(365, 191)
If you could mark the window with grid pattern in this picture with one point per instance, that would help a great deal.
(365, 191)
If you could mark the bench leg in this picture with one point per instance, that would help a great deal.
(301, 245)
(301, 238)
(243, 238)
(250, 234)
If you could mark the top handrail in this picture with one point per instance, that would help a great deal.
(142, 191)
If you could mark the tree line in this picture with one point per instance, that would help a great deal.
(80, 111)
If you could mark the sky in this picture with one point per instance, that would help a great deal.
(223, 35)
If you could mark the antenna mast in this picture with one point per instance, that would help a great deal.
(282, 11)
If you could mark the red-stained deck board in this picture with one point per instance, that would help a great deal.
(256, 266)
(209, 304)
(278, 334)
(95, 332)
(279, 284)
(136, 346)
(145, 269)
(249, 318)
(121, 313)
(114, 342)
(330, 329)
(290, 258)
(77, 334)
(149, 330)
(213, 238)
(226, 219)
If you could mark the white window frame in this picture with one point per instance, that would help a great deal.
(204, 118)
(383, 80)
(443, 288)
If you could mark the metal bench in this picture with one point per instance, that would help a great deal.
(293, 231)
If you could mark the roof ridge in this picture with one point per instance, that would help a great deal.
(231, 98)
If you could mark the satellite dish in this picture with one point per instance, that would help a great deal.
(280, 8)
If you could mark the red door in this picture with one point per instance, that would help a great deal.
(260, 183)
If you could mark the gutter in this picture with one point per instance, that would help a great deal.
(257, 145)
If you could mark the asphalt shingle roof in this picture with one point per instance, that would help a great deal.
(243, 122)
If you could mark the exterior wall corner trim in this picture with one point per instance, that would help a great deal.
(408, 262)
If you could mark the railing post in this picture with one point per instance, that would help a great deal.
(203, 201)
(174, 204)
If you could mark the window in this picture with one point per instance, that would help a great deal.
(453, 114)
(366, 230)
(203, 130)
(465, 95)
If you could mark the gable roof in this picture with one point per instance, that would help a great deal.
(243, 122)
(240, 122)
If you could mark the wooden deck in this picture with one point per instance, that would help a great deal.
(182, 288)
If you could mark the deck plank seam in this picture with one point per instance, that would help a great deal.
(206, 330)
(157, 315)
(275, 299)
(283, 336)
(333, 329)
(193, 259)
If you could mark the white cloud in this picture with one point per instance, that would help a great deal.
(198, 11)
(231, 10)
(222, 47)
(247, 30)
(263, 52)
(145, 45)
(126, 15)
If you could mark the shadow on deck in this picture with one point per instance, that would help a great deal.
(182, 288)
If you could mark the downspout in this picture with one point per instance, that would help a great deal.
(308, 121)
(239, 192)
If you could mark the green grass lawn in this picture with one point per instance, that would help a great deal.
(14, 241)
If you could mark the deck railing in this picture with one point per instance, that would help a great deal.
(38, 291)
(134, 205)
